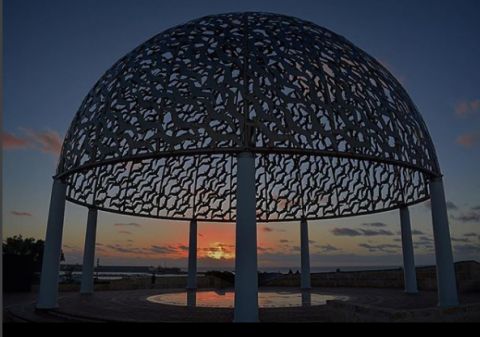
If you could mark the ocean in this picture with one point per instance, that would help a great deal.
(119, 275)
(285, 270)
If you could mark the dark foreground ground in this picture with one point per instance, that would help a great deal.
(364, 305)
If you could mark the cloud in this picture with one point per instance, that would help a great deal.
(467, 249)
(464, 240)
(125, 232)
(424, 242)
(371, 232)
(426, 239)
(142, 251)
(48, 141)
(153, 251)
(414, 232)
(374, 224)
(162, 249)
(360, 232)
(468, 139)
(471, 234)
(12, 142)
(125, 250)
(327, 248)
(264, 249)
(18, 213)
(284, 241)
(345, 232)
(451, 205)
(336, 260)
(476, 208)
(466, 108)
(270, 229)
(417, 232)
(385, 247)
(131, 224)
(470, 216)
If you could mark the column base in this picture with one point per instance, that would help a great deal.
(444, 306)
(246, 321)
(410, 292)
(45, 308)
(86, 293)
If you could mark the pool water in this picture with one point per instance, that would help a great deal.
(225, 299)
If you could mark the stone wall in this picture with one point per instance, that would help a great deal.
(174, 282)
(467, 272)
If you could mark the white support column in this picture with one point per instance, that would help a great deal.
(446, 281)
(88, 267)
(48, 292)
(409, 273)
(246, 278)
(192, 256)
(305, 255)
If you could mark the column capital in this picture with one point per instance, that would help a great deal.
(245, 154)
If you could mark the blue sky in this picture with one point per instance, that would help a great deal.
(54, 51)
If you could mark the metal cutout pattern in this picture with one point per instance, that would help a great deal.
(334, 133)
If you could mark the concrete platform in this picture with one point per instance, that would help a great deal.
(364, 304)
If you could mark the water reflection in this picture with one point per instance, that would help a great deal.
(191, 298)
(225, 298)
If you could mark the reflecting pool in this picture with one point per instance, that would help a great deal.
(225, 299)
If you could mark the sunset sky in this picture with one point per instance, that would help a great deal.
(54, 51)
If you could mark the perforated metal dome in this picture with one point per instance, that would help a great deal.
(333, 132)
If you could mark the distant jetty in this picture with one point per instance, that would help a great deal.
(124, 269)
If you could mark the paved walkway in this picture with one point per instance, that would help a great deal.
(132, 306)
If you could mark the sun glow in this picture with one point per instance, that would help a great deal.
(219, 251)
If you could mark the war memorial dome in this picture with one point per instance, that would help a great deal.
(333, 132)
(247, 118)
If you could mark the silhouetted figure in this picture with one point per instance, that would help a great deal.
(154, 277)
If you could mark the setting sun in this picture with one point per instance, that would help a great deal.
(219, 251)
